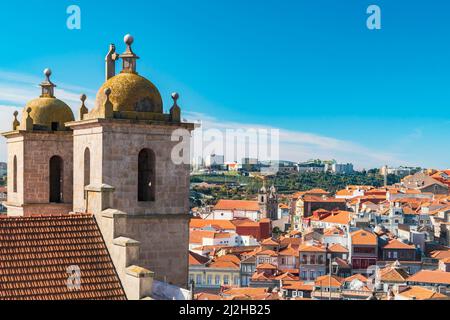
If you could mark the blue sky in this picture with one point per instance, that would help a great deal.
(311, 68)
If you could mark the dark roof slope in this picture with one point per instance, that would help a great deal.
(36, 254)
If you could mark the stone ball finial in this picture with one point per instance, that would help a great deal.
(108, 92)
(175, 96)
(16, 113)
(128, 39)
(47, 72)
(83, 98)
(29, 110)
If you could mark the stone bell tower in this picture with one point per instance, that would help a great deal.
(40, 156)
(268, 202)
(129, 174)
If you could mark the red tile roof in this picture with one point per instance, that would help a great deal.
(311, 248)
(216, 224)
(338, 217)
(289, 251)
(363, 237)
(393, 275)
(196, 236)
(323, 199)
(196, 259)
(267, 266)
(297, 285)
(269, 242)
(207, 296)
(229, 258)
(270, 253)
(396, 244)
(324, 281)
(242, 205)
(421, 293)
(36, 252)
(433, 277)
(358, 276)
(337, 248)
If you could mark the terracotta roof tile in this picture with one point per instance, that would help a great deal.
(297, 285)
(196, 236)
(289, 251)
(395, 275)
(324, 281)
(207, 296)
(337, 248)
(339, 217)
(224, 265)
(196, 259)
(36, 252)
(229, 258)
(243, 205)
(267, 266)
(363, 237)
(433, 277)
(396, 244)
(270, 253)
(250, 292)
(286, 276)
(421, 293)
(324, 199)
(311, 248)
(216, 224)
(269, 242)
(358, 276)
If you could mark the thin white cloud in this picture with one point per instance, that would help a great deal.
(17, 89)
(302, 146)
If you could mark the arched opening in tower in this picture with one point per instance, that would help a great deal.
(56, 179)
(87, 169)
(146, 176)
(15, 174)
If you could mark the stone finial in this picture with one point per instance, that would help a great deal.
(128, 57)
(128, 39)
(47, 73)
(48, 87)
(16, 123)
(111, 59)
(175, 111)
(83, 109)
(29, 121)
(108, 106)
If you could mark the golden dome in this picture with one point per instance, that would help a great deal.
(130, 93)
(47, 111)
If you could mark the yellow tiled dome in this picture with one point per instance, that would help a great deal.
(47, 111)
(130, 93)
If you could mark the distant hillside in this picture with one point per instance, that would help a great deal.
(290, 183)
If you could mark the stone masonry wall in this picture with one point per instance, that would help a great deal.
(162, 226)
(89, 137)
(122, 144)
(15, 149)
(39, 147)
(164, 246)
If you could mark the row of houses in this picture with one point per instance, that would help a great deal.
(301, 267)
